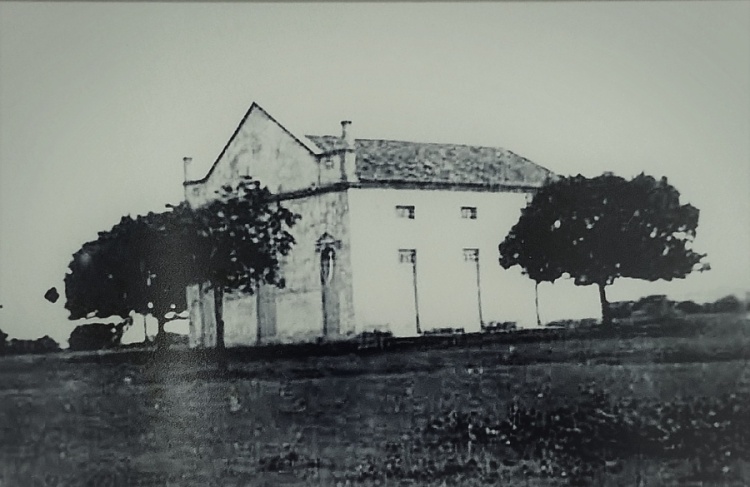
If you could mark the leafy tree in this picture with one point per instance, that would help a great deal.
(527, 246)
(235, 243)
(597, 230)
(164, 270)
(131, 268)
(144, 264)
(91, 286)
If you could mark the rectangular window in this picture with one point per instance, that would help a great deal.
(405, 212)
(407, 256)
(471, 255)
(469, 212)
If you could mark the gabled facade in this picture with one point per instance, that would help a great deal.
(394, 236)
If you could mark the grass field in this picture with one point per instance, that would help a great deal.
(529, 414)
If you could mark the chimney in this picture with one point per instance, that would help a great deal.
(346, 134)
(348, 155)
(185, 165)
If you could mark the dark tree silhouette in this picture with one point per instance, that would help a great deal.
(93, 285)
(144, 264)
(597, 230)
(131, 268)
(527, 246)
(235, 243)
(97, 336)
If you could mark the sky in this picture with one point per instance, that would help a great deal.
(99, 103)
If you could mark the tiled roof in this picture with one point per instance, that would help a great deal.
(413, 162)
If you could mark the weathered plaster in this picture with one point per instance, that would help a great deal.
(263, 149)
(298, 306)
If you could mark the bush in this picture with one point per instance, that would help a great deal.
(96, 336)
(689, 307)
(727, 304)
(621, 309)
(40, 345)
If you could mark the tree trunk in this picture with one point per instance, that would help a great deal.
(606, 319)
(219, 316)
(161, 335)
(145, 330)
(536, 303)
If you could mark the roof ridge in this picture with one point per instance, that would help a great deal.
(422, 143)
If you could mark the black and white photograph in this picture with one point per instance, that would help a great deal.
(375, 243)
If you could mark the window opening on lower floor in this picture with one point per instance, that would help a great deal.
(471, 255)
(407, 256)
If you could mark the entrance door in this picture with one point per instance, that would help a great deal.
(265, 312)
(329, 285)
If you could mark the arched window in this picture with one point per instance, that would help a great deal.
(327, 264)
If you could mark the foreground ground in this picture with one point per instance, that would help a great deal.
(637, 411)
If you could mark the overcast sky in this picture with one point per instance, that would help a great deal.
(99, 102)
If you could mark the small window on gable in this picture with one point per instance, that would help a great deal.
(328, 161)
(471, 255)
(407, 256)
(469, 212)
(403, 211)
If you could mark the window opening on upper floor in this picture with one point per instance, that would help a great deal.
(471, 255)
(469, 212)
(405, 211)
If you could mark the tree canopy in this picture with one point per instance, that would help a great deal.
(235, 242)
(131, 268)
(144, 264)
(600, 229)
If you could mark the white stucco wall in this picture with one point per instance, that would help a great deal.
(375, 290)
(447, 290)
